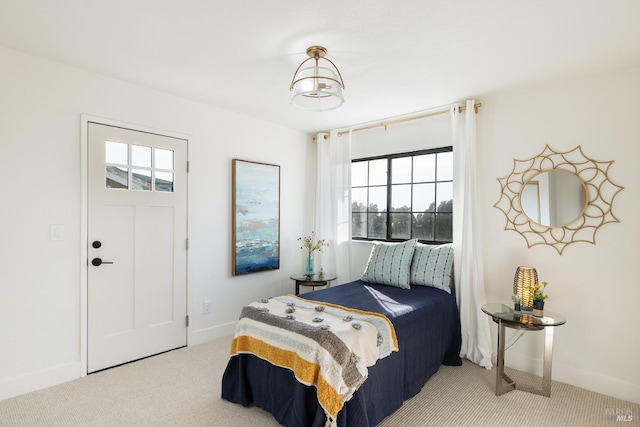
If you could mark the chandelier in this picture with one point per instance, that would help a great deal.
(317, 87)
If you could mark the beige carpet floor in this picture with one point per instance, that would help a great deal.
(182, 388)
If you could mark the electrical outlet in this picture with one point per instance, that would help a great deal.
(206, 307)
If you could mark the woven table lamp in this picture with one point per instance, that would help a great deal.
(525, 278)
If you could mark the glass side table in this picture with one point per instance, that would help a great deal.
(505, 316)
(313, 280)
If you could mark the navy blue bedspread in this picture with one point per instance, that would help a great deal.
(427, 325)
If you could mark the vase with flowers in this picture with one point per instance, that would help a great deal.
(538, 298)
(311, 244)
(517, 299)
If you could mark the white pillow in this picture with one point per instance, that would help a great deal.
(390, 264)
(432, 266)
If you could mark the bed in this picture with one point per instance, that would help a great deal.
(427, 328)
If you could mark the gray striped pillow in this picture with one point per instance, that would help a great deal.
(390, 263)
(432, 266)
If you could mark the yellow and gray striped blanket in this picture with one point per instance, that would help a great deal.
(325, 345)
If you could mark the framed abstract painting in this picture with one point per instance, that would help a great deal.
(256, 217)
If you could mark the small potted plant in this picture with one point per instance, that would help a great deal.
(538, 298)
(517, 299)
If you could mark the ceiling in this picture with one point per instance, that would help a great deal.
(396, 57)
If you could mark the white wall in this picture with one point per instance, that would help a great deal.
(41, 103)
(592, 285)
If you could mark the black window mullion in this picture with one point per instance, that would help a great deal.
(368, 199)
(366, 209)
(389, 190)
(411, 195)
(435, 200)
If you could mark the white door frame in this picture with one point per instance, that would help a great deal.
(84, 219)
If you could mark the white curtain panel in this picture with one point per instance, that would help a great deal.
(468, 259)
(333, 203)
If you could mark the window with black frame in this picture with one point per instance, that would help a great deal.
(403, 196)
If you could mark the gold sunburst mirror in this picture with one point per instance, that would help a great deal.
(558, 198)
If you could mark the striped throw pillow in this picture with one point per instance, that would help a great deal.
(432, 266)
(390, 263)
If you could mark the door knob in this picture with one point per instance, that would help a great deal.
(98, 261)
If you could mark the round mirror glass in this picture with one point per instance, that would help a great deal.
(554, 198)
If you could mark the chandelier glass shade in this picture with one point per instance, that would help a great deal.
(317, 86)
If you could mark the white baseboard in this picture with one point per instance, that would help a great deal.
(587, 380)
(26, 383)
(599, 383)
(207, 334)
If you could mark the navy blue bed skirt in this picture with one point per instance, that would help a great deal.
(427, 326)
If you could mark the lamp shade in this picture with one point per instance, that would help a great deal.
(524, 279)
(317, 87)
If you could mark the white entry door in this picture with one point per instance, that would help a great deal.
(137, 254)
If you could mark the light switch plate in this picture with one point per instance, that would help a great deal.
(206, 307)
(56, 232)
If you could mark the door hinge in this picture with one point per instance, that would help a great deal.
(188, 166)
(187, 318)
(186, 245)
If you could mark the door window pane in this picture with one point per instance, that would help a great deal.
(144, 169)
(163, 181)
(140, 179)
(116, 153)
(164, 159)
(117, 177)
(141, 156)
